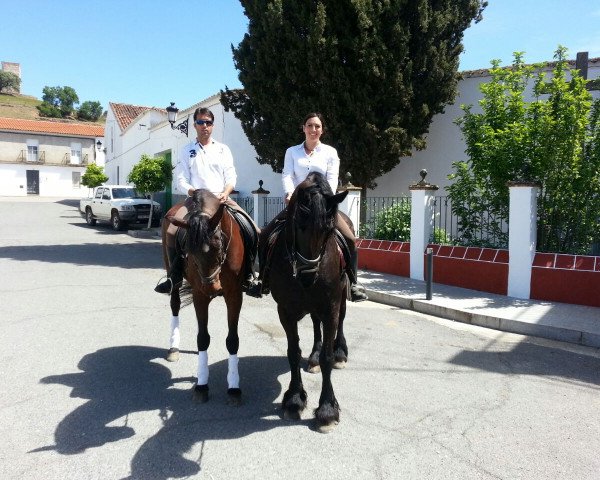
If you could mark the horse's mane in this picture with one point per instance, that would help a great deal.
(204, 206)
(310, 197)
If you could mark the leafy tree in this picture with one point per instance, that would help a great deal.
(62, 98)
(9, 81)
(94, 176)
(378, 71)
(149, 175)
(89, 111)
(553, 140)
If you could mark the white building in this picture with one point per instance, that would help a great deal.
(47, 158)
(132, 131)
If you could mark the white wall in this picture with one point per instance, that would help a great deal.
(54, 181)
(445, 144)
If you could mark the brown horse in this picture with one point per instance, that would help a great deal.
(307, 277)
(211, 242)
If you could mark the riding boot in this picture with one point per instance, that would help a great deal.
(357, 292)
(175, 277)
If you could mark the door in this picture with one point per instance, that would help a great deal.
(33, 182)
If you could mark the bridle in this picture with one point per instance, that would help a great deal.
(223, 249)
(300, 264)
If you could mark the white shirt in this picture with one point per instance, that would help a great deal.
(298, 164)
(205, 166)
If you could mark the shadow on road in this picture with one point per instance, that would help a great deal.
(536, 360)
(126, 255)
(120, 381)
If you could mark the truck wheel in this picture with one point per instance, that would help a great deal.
(116, 222)
(89, 218)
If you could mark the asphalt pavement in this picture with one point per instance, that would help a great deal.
(88, 394)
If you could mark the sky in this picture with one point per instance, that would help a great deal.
(154, 52)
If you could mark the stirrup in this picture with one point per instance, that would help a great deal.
(165, 287)
(255, 289)
(357, 293)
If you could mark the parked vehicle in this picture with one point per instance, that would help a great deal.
(120, 205)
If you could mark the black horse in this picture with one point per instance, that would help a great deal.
(307, 277)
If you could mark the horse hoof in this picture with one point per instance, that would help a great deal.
(327, 428)
(291, 415)
(234, 397)
(172, 355)
(313, 368)
(200, 393)
(339, 365)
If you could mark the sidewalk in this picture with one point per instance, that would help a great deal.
(557, 321)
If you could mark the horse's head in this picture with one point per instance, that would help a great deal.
(206, 241)
(312, 214)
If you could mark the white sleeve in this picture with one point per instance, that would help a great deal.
(182, 172)
(333, 169)
(229, 174)
(287, 174)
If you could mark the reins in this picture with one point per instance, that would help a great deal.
(300, 264)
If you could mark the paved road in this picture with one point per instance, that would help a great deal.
(86, 394)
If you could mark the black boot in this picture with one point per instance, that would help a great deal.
(175, 277)
(357, 292)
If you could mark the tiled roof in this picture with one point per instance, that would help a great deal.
(126, 114)
(484, 72)
(57, 128)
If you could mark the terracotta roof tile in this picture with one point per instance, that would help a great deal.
(125, 114)
(484, 72)
(59, 128)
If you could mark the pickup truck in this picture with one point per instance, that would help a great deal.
(120, 205)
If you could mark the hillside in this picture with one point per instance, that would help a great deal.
(23, 106)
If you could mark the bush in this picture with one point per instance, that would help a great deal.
(47, 110)
(393, 223)
(440, 237)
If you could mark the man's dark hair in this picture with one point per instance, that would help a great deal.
(203, 111)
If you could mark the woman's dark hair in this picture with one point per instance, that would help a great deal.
(203, 111)
(312, 115)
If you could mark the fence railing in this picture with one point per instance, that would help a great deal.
(247, 203)
(374, 208)
(272, 207)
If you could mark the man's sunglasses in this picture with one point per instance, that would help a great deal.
(208, 123)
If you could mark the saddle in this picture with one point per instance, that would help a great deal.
(249, 232)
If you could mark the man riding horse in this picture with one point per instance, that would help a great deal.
(208, 164)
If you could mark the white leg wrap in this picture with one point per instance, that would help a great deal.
(233, 376)
(174, 332)
(203, 368)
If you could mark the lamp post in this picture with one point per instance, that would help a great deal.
(172, 117)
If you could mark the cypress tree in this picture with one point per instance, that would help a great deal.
(378, 70)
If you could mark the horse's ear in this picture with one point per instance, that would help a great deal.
(336, 199)
(179, 222)
(216, 218)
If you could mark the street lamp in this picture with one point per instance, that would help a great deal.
(99, 145)
(172, 117)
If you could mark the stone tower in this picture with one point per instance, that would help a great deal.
(13, 68)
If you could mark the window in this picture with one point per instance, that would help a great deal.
(76, 179)
(33, 150)
(106, 194)
(32, 153)
(99, 193)
(76, 153)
